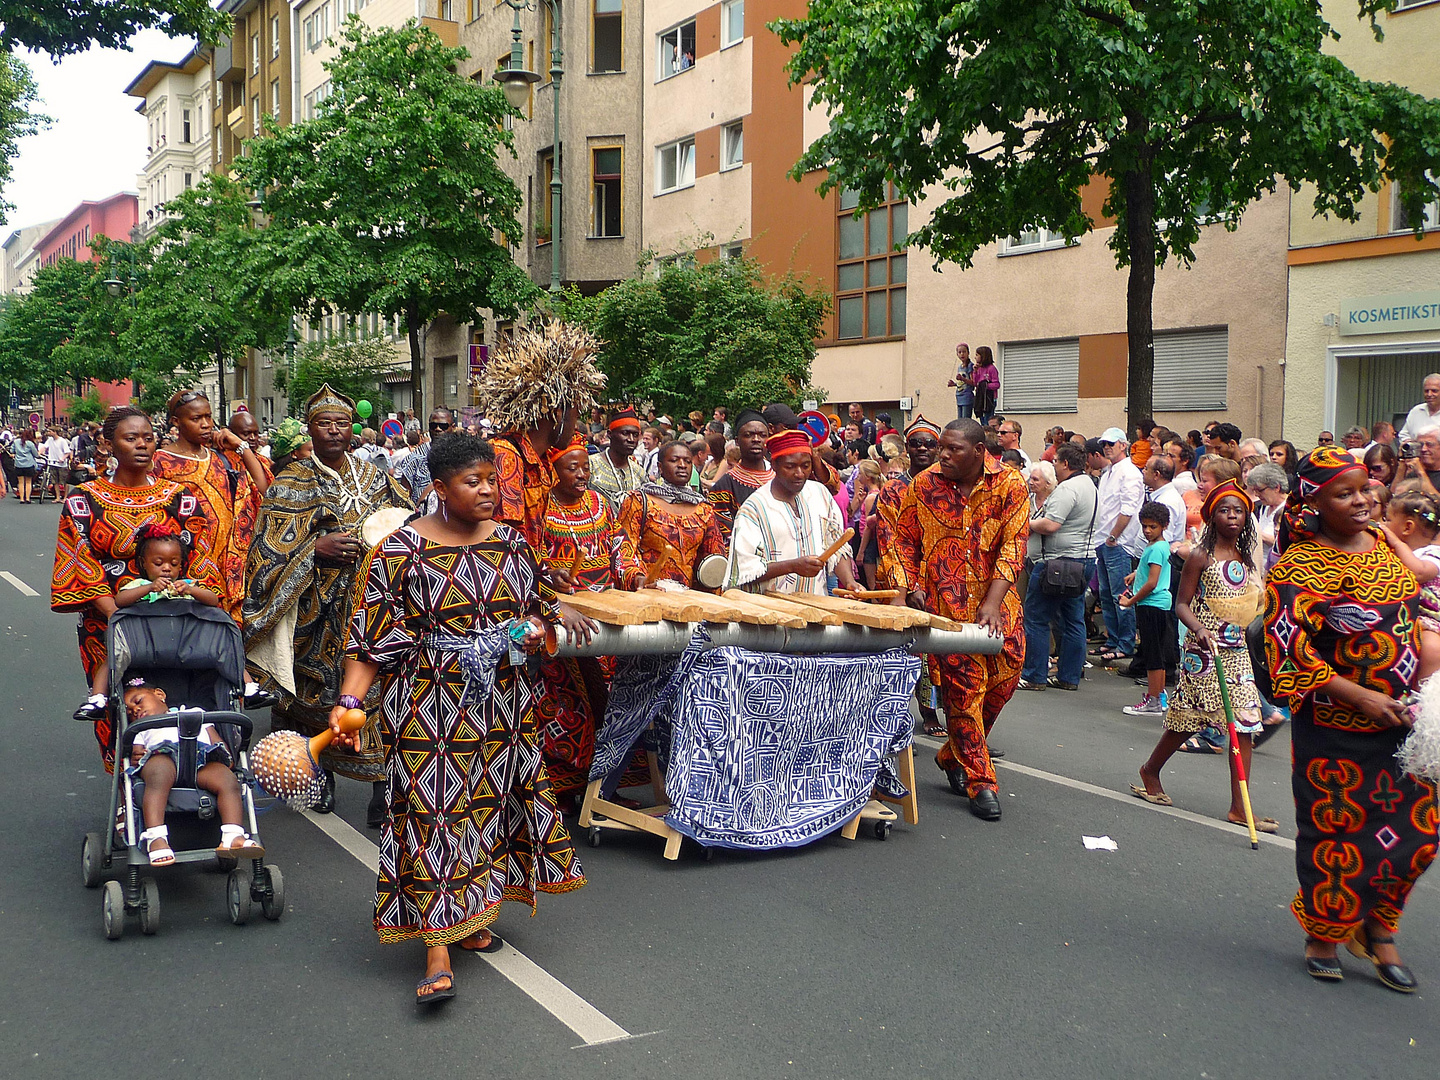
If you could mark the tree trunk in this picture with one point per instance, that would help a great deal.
(220, 370)
(417, 360)
(1140, 296)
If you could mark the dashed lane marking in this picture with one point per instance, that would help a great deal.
(25, 590)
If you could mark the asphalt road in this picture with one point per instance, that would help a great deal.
(956, 948)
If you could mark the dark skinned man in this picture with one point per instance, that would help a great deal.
(959, 547)
(299, 580)
(746, 476)
(784, 527)
(414, 469)
(614, 471)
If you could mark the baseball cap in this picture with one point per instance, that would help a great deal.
(1112, 435)
(1094, 446)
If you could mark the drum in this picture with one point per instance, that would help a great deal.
(711, 571)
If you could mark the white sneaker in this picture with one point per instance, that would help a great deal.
(1148, 706)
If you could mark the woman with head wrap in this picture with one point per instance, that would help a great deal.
(1342, 647)
(291, 442)
(1219, 595)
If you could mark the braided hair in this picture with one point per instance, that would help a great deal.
(1245, 543)
(119, 415)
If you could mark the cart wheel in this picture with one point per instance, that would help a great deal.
(113, 909)
(92, 859)
(272, 905)
(593, 837)
(224, 863)
(237, 896)
(707, 853)
(149, 906)
(882, 829)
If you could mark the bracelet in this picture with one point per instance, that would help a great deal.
(350, 701)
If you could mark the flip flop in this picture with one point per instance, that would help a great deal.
(435, 996)
(935, 729)
(1262, 824)
(1197, 745)
(1154, 800)
(495, 945)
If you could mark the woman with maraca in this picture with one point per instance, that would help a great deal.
(449, 606)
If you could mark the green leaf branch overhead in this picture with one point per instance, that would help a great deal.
(997, 114)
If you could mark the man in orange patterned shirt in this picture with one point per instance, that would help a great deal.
(959, 545)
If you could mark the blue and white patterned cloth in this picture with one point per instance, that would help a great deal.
(767, 750)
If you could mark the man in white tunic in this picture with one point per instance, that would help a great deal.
(782, 530)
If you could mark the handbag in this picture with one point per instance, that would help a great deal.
(1064, 576)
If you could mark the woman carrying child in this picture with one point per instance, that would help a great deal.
(1219, 595)
(95, 544)
(1341, 640)
(447, 607)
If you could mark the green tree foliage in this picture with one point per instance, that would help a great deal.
(1190, 108)
(61, 27)
(356, 368)
(86, 407)
(391, 199)
(17, 116)
(193, 303)
(698, 335)
(59, 334)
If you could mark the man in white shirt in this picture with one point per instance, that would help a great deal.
(1427, 413)
(1010, 440)
(1117, 527)
(1159, 476)
(55, 452)
(782, 530)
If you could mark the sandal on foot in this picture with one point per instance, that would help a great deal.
(1262, 824)
(247, 849)
(161, 855)
(1197, 745)
(935, 729)
(1395, 977)
(1160, 799)
(495, 944)
(1324, 968)
(437, 995)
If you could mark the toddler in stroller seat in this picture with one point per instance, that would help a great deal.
(154, 757)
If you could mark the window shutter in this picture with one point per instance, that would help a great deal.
(1039, 376)
(1192, 369)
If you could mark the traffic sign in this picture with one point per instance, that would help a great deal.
(392, 429)
(36, 418)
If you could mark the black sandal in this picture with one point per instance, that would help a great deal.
(1323, 968)
(435, 996)
(1396, 977)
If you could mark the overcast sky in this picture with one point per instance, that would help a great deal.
(96, 143)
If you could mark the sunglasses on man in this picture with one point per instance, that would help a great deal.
(438, 427)
(921, 444)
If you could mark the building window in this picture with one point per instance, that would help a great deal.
(675, 50)
(184, 125)
(870, 275)
(473, 10)
(317, 28)
(544, 219)
(254, 54)
(1034, 240)
(1191, 369)
(447, 10)
(1039, 376)
(255, 114)
(1400, 222)
(275, 98)
(605, 38)
(675, 166)
(732, 23)
(311, 101)
(605, 165)
(274, 37)
(188, 180)
(732, 146)
(734, 250)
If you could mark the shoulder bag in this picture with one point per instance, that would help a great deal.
(1065, 576)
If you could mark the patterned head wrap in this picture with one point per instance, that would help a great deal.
(787, 442)
(1318, 469)
(1219, 491)
(921, 424)
(327, 399)
(288, 437)
(625, 418)
(577, 442)
(747, 416)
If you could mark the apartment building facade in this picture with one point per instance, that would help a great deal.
(1364, 296)
(17, 269)
(176, 101)
(723, 128)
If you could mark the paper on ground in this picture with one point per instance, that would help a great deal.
(1100, 843)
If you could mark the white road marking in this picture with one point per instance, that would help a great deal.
(586, 1021)
(25, 590)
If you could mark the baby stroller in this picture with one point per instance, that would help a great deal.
(194, 653)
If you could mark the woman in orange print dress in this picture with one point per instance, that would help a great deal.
(672, 525)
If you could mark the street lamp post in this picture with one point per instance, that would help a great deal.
(115, 288)
(516, 81)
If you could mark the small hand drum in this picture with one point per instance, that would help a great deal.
(284, 764)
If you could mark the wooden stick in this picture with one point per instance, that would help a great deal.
(806, 614)
(1235, 752)
(845, 538)
(868, 594)
(853, 612)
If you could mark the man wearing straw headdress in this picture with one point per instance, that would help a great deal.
(298, 583)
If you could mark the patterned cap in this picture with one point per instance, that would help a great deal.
(1321, 466)
(1219, 491)
(577, 442)
(921, 424)
(787, 442)
(288, 437)
(327, 399)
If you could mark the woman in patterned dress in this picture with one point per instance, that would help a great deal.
(671, 525)
(1342, 645)
(586, 552)
(95, 543)
(450, 603)
(1218, 597)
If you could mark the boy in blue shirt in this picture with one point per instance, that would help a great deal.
(1151, 600)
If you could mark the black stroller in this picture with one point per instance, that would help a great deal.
(194, 653)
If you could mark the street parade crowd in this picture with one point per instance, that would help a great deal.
(369, 572)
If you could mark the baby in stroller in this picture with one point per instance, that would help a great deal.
(154, 755)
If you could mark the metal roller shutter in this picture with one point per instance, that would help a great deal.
(1192, 369)
(1039, 376)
